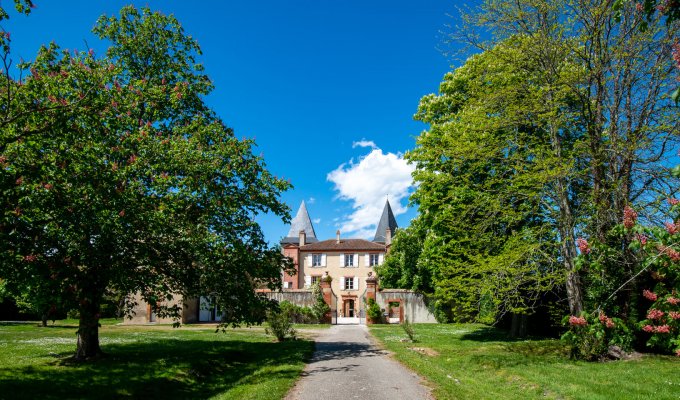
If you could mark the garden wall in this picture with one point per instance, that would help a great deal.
(300, 297)
(414, 306)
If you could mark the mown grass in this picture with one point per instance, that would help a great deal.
(191, 362)
(479, 362)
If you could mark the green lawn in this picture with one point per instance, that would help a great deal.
(148, 362)
(465, 361)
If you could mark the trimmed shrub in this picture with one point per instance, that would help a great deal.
(280, 324)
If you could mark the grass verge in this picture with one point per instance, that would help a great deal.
(466, 361)
(148, 362)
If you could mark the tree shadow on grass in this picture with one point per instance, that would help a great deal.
(515, 351)
(489, 334)
(166, 368)
(493, 334)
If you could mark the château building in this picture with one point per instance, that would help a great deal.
(347, 261)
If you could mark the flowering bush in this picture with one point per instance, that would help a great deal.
(590, 336)
(662, 324)
(656, 250)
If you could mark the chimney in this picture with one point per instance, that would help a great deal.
(303, 238)
(388, 237)
(337, 236)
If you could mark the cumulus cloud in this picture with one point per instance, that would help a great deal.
(366, 184)
(311, 200)
(316, 220)
(364, 143)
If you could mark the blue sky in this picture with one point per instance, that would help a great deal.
(327, 89)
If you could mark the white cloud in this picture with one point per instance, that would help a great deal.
(316, 220)
(311, 200)
(364, 143)
(367, 183)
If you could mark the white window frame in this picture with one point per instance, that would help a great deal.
(315, 279)
(349, 283)
(350, 258)
(317, 260)
(374, 259)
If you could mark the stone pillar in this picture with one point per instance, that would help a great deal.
(327, 295)
(371, 286)
(371, 293)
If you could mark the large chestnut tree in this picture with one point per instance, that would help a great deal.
(115, 176)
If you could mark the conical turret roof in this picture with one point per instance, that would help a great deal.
(301, 222)
(387, 220)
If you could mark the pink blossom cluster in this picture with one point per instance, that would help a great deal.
(673, 300)
(674, 315)
(608, 322)
(672, 228)
(653, 313)
(648, 328)
(677, 352)
(673, 201)
(641, 238)
(673, 254)
(639, 7)
(670, 252)
(662, 329)
(583, 245)
(629, 217)
(577, 321)
(30, 258)
(649, 295)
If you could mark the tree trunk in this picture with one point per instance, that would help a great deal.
(43, 319)
(518, 327)
(565, 226)
(88, 333)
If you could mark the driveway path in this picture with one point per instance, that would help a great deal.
(346, 365)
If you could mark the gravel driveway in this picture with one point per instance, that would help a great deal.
(346, 365)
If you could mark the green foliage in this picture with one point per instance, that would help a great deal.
(532, 142)
(402, 268)
(374, 312)
(298, 314)
(280, 323)
(484, 174)
(116, 177)
(590, 337)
